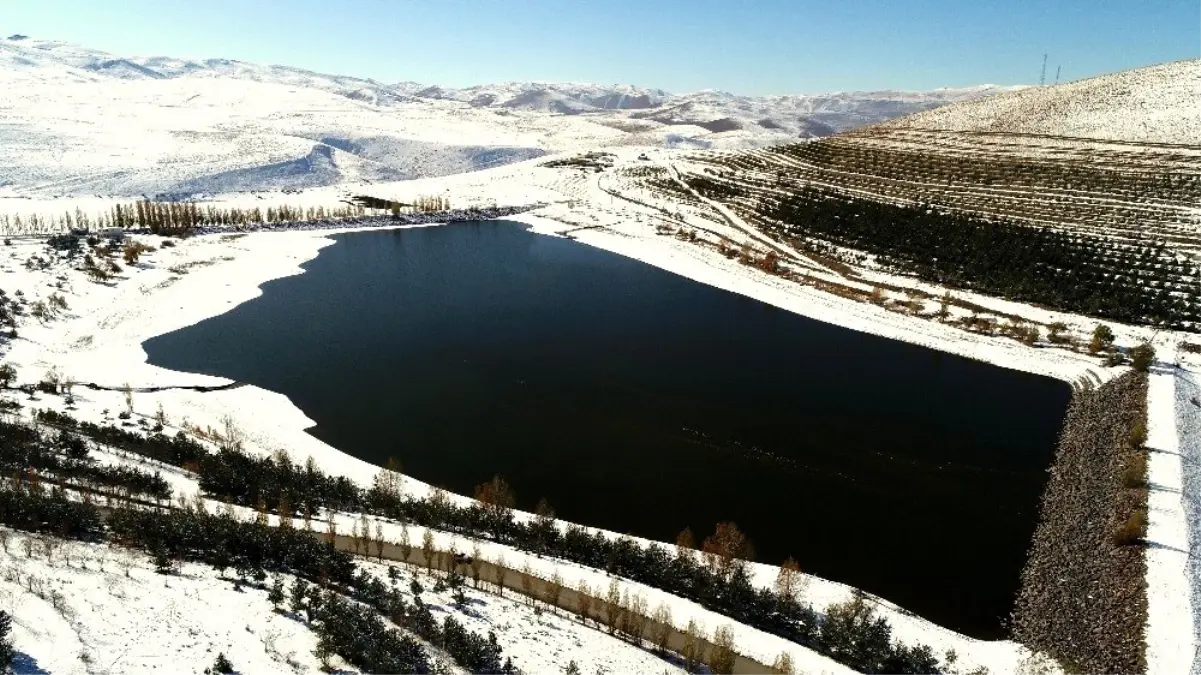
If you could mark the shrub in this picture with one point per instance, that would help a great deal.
(1055, 333)
(1102, 339)
(1135, 475)
(7, 375)
(1138, 435)
(1132, 531)
(1142, 356)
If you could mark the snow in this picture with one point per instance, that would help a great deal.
(193, 129)
(1157, 104)
(82, 122)
(109, 622)
(1169, 648)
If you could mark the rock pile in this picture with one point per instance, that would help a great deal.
(1083, 597)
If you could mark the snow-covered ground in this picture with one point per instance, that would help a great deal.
(82, 122)
(96, 608)
(98, 339)
(65, 144)
(1163, 98)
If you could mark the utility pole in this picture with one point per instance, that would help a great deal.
(1057, 74)
(1042, 79)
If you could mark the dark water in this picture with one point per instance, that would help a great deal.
(642, 402)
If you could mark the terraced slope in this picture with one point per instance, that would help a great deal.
(1105, 156)
(1103, 162)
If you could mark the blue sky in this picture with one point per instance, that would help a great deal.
(747, 46)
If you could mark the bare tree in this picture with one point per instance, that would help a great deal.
(584, 604)
(501, 573)
(638, 617)
(427, 549)
(554, 590)
(477, 561)
(612, 606)
(527, 583)
(685, 543)
(725, 548)
(721, 657)
(406, 546)
(788, 581)
(379, 541)
(496, 495)
(661, 627)
(783, 664)
(692, 651)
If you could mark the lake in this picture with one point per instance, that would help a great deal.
(642, 402)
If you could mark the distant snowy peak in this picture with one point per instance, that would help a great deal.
(555, 97)
(51, 57)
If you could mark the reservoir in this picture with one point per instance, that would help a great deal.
(642, 402)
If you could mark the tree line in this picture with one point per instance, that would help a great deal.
(714, 577)
(347, 607)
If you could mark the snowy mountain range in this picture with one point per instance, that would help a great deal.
(77, 120)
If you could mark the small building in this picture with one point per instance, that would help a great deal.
(112, 233)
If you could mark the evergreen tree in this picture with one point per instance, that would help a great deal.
(299, 592)
(6, 646)
(276, 595)
(221, 666)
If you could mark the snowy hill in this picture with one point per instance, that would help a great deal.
(88, 122)
(1158, 104)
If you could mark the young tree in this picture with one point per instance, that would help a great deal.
(501, 573)
(127, 392)
(6, 646)
(1055, 332)
(8, 375)
(692, 650)
(527, 583)
(406, 546)
(685, 543)
(554, 591)
(721, 657)
(300, 591)
(379, 541)
(427, 549)
(789, 579)
(661, 627)
(584, 604)
(496, 496)
(276, 595)
(222, 665)
(477, 562)
(725, 548)
(783, 664)
(1102, 339)
(613, 606)
(1142, 356)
